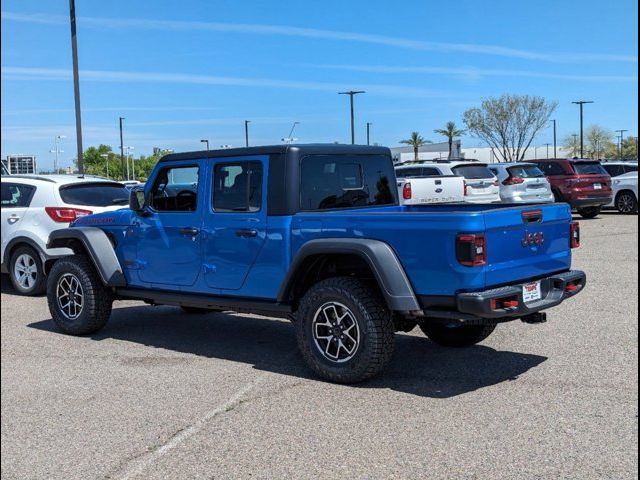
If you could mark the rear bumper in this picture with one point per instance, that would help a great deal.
(554, 292)
(590, 202)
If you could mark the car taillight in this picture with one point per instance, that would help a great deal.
(575, 234)
(466, 188)
(496, 183)
(471, 250)
(513, 181)
(406, 191)
(65, 214)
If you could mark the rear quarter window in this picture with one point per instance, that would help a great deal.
(473, 172)
(589, 168)
(346, 181)
(101, 194)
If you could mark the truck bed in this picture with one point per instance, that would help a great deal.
(424, 239)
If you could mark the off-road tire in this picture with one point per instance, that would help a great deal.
(589, 212)
(40, 284)
(457, 337)
(97, 302)
(374, 321)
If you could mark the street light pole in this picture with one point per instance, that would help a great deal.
(106, 159)
(368, 131)
(246, 132)
(555, 140)
(121, 148)
(547, 144)
(581, 103)
(57, 151)
(351, 94)
(621, 132)
(76, 83)
(204, 140)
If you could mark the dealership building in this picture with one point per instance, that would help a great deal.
(20, 164)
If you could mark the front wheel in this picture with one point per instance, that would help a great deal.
(78, 301)
(589, 212)
(457, 337)
(626, 202)
(344, 331)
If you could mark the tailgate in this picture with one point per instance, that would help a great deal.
(430, 190)
(527, 242)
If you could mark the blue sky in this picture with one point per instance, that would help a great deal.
(183, 71)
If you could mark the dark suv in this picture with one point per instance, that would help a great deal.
(584, 184)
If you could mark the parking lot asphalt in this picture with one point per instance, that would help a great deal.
(159, 394)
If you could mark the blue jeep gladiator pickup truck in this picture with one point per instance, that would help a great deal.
(315, 233)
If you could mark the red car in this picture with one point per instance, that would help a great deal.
(584, 184)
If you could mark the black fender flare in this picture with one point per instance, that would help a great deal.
(97, 245)
(380, 257)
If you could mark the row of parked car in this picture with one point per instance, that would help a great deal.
(587, 185)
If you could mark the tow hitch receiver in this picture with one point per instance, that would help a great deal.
(539, 317)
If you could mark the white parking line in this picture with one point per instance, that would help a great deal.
(139, 464)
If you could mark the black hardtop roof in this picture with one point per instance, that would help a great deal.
(572, 160)
(298, 149)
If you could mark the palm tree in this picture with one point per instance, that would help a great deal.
(451, 132)
(416, 141)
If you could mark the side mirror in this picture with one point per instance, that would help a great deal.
(137, 200)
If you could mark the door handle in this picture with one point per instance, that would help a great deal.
(192, 231)
(13, 219)
(246, 233)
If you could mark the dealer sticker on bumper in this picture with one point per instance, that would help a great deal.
(531, 292)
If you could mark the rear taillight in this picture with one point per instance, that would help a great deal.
(471, 250)
(575, 234)
(406, 191)
(496, 183)
(513, 181)
(65, 214)
(466, 188)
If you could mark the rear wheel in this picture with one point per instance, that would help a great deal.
(626, 202)
(26, 271)
(344, 331)
(589, 212)
(78, 301)
(459, 336)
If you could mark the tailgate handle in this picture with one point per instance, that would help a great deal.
(532, 216)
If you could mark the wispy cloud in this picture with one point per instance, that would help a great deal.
(302, 32)
(123, 110)
(28, 73)
(472, 72)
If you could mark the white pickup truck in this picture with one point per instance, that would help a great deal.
(418, 185)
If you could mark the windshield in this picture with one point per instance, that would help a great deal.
(526, 171)
(589, 168)
(100, 194)
(473, 172)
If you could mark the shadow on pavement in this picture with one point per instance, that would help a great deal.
(419, 367)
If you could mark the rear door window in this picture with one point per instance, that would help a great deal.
(631, 169)
(526, 171)
(15, 195)
(237, 187)
(473, 172)
(589, 168)
(98, 194)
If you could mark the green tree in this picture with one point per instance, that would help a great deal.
(416, 141)
(510, 123)
(629, 149)
(451, 132)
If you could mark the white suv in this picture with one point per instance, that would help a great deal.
(35, 205)
(480, 184)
